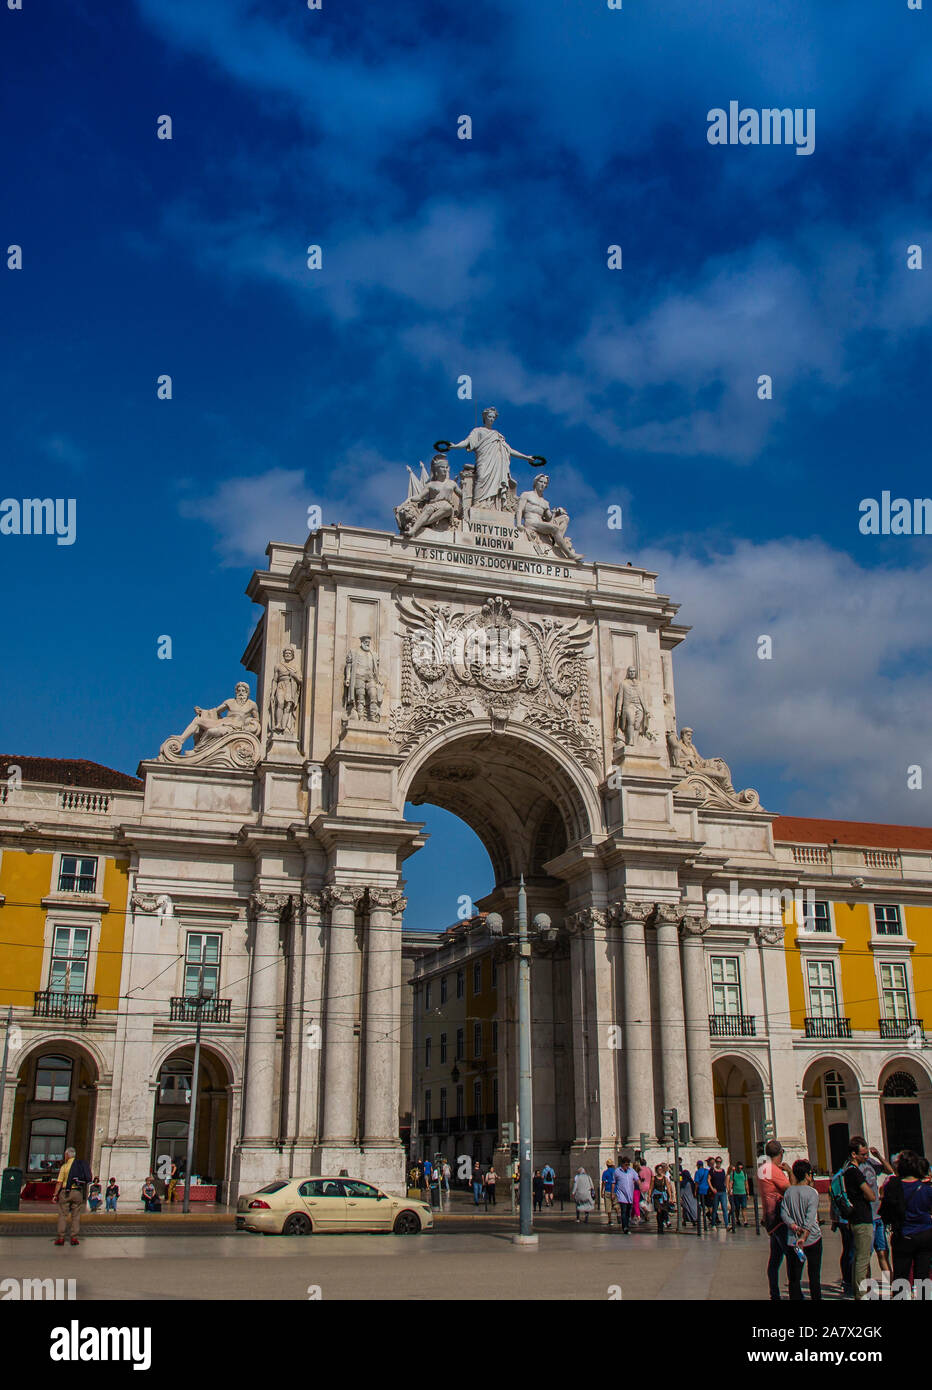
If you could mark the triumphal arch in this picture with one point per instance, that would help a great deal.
(474, 659)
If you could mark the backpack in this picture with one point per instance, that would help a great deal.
(79, 1175)
(893, 1203)
(839, 1195)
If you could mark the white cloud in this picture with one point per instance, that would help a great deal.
(842, 709)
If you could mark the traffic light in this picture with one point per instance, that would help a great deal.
(768, 1129)
(684, 1131)
(669, 1126)
(514, 1153)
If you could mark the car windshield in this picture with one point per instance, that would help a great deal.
(274, 1186)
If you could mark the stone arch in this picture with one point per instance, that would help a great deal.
(906, 1119)
(506, 786)
(72, 1113)
(829, 1124)
(739, 1086)
(171, 1109)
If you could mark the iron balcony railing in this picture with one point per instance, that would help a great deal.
(902, 1028)
(828, 1027)
(60, 1003)
(184, 1010)
(732, 1025)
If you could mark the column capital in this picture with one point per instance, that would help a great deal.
(308, 902)
(584, 918)
(631, 910)
(267, 904)
(694, 924)
(342, 895)
(391, 898)
(665, 914)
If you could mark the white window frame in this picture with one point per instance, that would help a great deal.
(477, 1039)
(821, 963)
(879, 935)
(95, 892)
(725, 985)
(187, 964)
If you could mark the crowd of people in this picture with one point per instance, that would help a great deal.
(878, 1208)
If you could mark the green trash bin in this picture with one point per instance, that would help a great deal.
(10, 1185)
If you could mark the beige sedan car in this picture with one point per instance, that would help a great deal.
(305, 1206)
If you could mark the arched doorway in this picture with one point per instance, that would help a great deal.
(738, 1088)
(833, 1111)
(531, 809)
(172, 1113)
(900, 1085)
(55, 1109)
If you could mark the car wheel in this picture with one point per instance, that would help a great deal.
(406, 1224)
(297, 1224)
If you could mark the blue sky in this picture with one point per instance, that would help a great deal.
(488, 257)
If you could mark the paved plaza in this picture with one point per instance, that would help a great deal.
(471, 1258)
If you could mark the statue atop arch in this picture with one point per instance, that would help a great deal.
(493, 454)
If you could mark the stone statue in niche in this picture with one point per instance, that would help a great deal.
(285, 696)
(362, 686)
(632, 717)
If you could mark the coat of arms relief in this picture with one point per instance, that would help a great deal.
(457, 664)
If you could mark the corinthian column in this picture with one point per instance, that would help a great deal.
(698, 1049)
(639, 1069)
(259, 1109)
(672, 1018)
(341, 1047)
(383, 1019)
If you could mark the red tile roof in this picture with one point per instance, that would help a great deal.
(810, 831)
(69, 772)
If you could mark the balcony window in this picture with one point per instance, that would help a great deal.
(823, 997)
(477, 1098)
(477, 977)
(53, 1078)
(461, 984)
(895, 991)
(443, 1047)
(443, 989)
(70, 946)
(460, 1102)
(460, 1044)
(203, 949)
(726, 985)
(477, 1040)
(887, 920)
(77, 874)
(443, 1102)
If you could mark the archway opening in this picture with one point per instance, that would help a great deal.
(171, 1118)
(739, 1111)
(833, 1111)
(902, 1116)
(55, 1109)
(527, 809)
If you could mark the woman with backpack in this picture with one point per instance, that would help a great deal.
(906, 1206)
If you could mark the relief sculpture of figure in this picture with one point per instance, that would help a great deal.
(632, 717)
(543, 523)
(241, 717)
(286, 693)
(362, 688)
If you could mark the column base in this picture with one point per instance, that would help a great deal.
(384, 1166)
(127, 1160)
